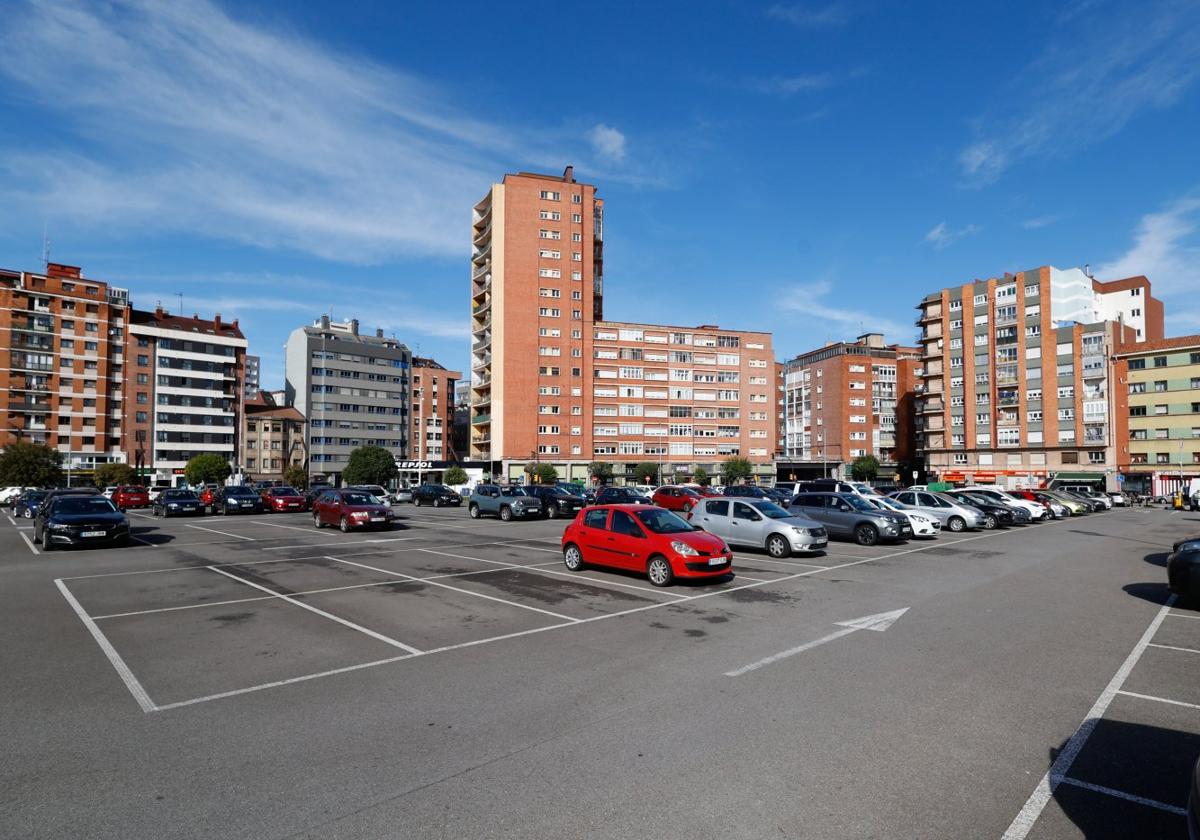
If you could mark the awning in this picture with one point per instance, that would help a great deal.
(1079, 476)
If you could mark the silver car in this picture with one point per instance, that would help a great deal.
(759, 523)
(952, 515)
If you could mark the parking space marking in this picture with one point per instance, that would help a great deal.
(1159, 699)
(747, 577)
(364, 630)
(1173, 647)
(222, 533)
(457, 589)
(1181, 615)
(142, 541)
(1022, 824)
(10, 519)
(1120, 794)
(754, 558)
(135, 513)
(126, 675)
(338, 542)
(29, 543)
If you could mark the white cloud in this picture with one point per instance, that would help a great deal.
(790, 85)
(1108, 67)
(808, 16)
(1041, 221)
(193, 121)
(608, 142)
(810, 301)
(1166, 249)
(941, 236)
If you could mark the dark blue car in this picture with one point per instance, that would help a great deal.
(28, 503)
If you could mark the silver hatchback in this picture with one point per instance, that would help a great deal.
(760, 523)
(952, 515)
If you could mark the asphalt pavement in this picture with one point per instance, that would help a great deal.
(256, 677)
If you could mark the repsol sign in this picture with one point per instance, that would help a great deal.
(422, 465)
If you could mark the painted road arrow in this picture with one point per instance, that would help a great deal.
(878, 622)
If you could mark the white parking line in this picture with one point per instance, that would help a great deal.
(126, 675)
(142, 541)
(341, 542)
(10, 519)
(1120, 794)
(222, 533)
(378, 636)
(1173, 647)
(457, 589)
(1159, 699)
(1022, 824)
(1181, 615)
(29, 543)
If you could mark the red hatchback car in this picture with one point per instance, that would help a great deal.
(128, 496)
(675, 498)
(282, 500)
(349, 509)
(646, 539)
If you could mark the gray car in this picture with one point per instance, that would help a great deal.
(507, 502)
(952, 515)
(760, 523)
(849, 516)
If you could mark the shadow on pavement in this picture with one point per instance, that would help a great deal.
(1155, 593)
(1144, 761)
(1158, 558)
(151, 535)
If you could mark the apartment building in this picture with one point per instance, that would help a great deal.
(354, 390)
(1162, 378)
(184, 380)
(253, 363)
(62, 364)
(847, 400)
(553, 381)
(433, 388)
(273, 439)
(1017, 384)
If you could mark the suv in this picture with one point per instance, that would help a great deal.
(620, 496)
(129, 496)
(674, 498)
(436, 495)
(558, 500)
(849, 516)
(506, 502)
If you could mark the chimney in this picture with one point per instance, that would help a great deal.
(235, 323)
(353, 326)
(195, 316)
(217, 320)
(325, 322)
(158, 312)
(569, 174)
(379, 332)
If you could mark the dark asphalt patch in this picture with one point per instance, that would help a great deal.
(230, 619)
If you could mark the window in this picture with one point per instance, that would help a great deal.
(1160, 361)
(551, 215)
(550, 196)
(1137, 364)
(549, 234)
(960, 459)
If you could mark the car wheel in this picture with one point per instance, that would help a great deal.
(437, 503)
(865, 534)
(473, 510)
(573, 558)
(956, 524)
(989, 522)
(506, 514)
(37, 536)
(552, 510)
(344, 525)
(777, 546)
(687, 507)
(317, 520)
(416, 501)
(659, 571)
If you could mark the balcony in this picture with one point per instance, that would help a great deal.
(931, 406)
(931, 313)
(30, 406)
(480, 419)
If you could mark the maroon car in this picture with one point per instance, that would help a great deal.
(349, 509)
(283, 500)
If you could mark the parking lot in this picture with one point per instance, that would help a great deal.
(994, 648)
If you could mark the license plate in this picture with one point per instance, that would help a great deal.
(717, 561)
(92, 533)
(376, 518)
(293, 504)
(820, 544)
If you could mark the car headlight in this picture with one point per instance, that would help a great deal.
(54, 526)
(359, 514)
(172, 505)
(683, 549)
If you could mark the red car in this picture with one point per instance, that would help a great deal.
(681, 499)
(702, 491)
(645, 539)
(1028, 496)
(206, 495)
(282, 500)
(349, 509)
(129, 496)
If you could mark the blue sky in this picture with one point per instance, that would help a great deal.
(808, 168)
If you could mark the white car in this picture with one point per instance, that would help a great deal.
(1036, 510)
(923, 525)
(1118, 499)
(9, 495)
(108, 491)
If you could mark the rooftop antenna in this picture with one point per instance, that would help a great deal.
(180, 294)
(45, 245)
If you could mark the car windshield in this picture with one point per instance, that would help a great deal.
(663, 521)
(967, 500)
(283, 491)
(84, 505)
(513, 491)
(359, 499)
(770, 510)
(35, 496)
(891, 504)
(239, 491)
(179, 495)
(857, 502)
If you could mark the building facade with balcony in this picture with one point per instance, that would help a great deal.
(62, 364)
(273, 439)
(1017, 377)
(1161, 453)
(433, 406)
(184, 385)
(848, 400)
(253, 363)
(354, 389)
(552, 381)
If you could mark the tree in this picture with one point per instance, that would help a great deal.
(701, 477)
(30, 465)
(111, 475)
(455, 476)
(601, 470)
(296, 476)
(370, 465)
(864, 468)
(735, 470)
(206, 468)
(646, 472)
(545, 474)
(530, 469)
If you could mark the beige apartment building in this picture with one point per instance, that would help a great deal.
(552, 381)
(1018, 384)
(272, 438)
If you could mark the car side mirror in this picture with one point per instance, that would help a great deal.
(697, 528)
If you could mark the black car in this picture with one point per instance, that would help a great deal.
(438, 495)
(314, 491)
(558, 500)
(1193, 807)
(177, 503)
(771, 494)
(79, 519)
(993, 514)
(1183, 573)
(237, 499)
(620, 496)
